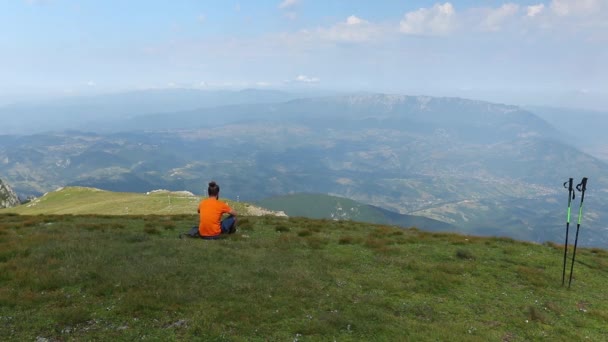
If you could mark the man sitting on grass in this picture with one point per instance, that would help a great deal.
(210, 211)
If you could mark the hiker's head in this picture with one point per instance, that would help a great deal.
(213, 190)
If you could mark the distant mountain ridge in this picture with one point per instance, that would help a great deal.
(473, 120)
(584, 129)
(96, 113)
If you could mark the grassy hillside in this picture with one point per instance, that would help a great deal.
(130, 278)
(339, 208)
(89, 201)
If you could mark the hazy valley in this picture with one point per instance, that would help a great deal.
(486, 168)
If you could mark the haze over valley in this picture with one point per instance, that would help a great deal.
(482, 168)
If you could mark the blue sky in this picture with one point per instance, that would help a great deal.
(523, 52)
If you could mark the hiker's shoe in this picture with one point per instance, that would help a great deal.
(232, 230)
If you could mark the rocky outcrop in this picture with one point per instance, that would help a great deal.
(8, 198)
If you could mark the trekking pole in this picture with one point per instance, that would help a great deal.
(580, 187)
(571, 195)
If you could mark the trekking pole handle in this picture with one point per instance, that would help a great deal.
(569, 187)
(582, 184)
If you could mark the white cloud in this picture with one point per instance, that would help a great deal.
(91, 83)
(495, 18)
(535, 10)
(201, 18)
(237, 7)
(583, 18)
(287, 4)
(575, 7)
(353, 20)
(306, 79)
(440, 19)
(288, 7)
(564, 16)
(353, 29)
(443, 19)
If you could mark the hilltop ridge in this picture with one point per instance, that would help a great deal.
(91, 201)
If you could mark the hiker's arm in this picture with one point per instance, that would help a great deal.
(232, 212)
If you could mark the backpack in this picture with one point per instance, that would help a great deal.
(193, 233)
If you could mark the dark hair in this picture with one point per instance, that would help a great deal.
(213, 189)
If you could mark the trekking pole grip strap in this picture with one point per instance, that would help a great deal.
(569, 186)
(582, 186)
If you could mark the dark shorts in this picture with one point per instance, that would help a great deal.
(227, 224)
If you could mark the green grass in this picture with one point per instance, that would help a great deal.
(89, 201)
(65, 277)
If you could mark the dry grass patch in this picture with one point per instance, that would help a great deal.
(304, 233)
(599, 315)
(316, 242)
(346, 240)
(599, 252)
(464, 254)
(287, 240)
(282, 228)
(535, 315)
(532, 275)
(553, 307)
(375, 242)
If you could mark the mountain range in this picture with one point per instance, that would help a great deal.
(98, 113)
(585, 129)
(483, 167)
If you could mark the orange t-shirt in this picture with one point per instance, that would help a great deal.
(210, 216)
